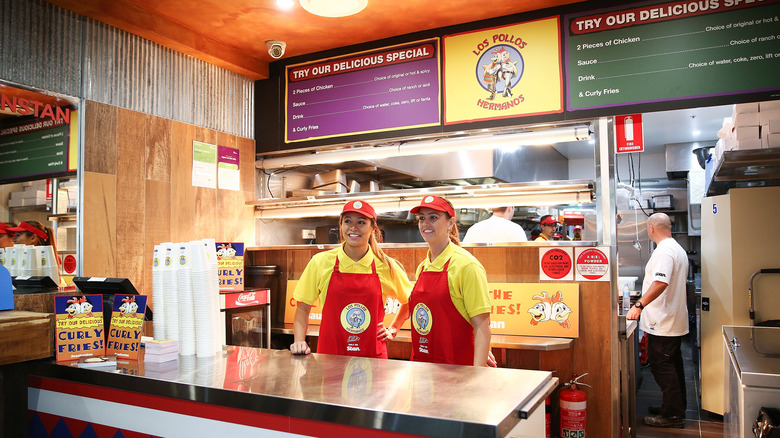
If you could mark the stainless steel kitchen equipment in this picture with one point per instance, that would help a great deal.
(752, 356)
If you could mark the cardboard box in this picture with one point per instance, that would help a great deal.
(742, 108)
(766, 116)
(742, 145)
(746, 119)
(772, 141)
(772, 127)
(746, 133)
(769, 105)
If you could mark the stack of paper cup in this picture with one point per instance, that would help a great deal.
(29, 261)
(210, 246)
(2, 257)
(186, 300)
(10, 260)
(202, 301)
(171, 296)
(158, 322)
(47, 262)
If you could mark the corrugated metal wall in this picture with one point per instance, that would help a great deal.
(46, 47)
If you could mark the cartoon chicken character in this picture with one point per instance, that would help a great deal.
(74, 307)
(550, 308)
(86, 307)
(541, 311)
(129, 307)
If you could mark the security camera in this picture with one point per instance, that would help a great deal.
(276, 48)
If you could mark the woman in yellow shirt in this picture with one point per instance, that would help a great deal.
(450, 303)
(352, 283)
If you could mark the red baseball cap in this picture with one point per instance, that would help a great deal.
(549, 220)
(578, 227)
(434, 203)
(24, 226)
(5, 229)
(360, 207)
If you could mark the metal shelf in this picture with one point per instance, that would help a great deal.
(750, 168)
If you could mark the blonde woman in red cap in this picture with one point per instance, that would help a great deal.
(450, 304)
(352, 283)
(33, 233)
(6, 236)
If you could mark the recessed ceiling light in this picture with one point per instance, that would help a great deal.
(696, 133)
(285, 4)
(334, 8)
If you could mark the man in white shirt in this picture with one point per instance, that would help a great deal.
(496, 229)
(664, 317)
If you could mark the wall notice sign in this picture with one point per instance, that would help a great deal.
(555, 264)
(228, 175)
(629, 136)
(592, 264)
(204, 165)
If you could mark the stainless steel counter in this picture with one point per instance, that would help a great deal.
(408, 397)
(511, 342)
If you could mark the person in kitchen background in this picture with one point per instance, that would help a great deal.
(352, 283)
(549, 225)
(496, 229)
(577, 232)
(662, 313)
(450, 305)
(6, 236)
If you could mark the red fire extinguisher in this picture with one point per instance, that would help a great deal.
(573, 409)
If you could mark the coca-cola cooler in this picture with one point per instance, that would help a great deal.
(247, 317)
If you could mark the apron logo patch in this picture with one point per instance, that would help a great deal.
(355, 318)
(422, 320)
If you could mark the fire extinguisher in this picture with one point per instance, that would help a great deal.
(573, 408)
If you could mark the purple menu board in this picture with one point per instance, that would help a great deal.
(386, 89)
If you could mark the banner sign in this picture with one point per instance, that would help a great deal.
(387, 89)
(503, 72)
(642, 53)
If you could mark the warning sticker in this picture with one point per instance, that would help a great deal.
(555, 264)
(592, 264)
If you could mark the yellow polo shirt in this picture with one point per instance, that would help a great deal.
(315, 279)
(466, 278)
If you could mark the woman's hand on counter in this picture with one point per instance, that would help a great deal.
(491, 360)
(385, 334)
(300, 347)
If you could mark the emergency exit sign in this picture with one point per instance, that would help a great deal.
(628, 134)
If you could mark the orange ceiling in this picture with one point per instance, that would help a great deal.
(232, 33)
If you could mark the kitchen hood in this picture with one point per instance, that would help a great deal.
(680, 158)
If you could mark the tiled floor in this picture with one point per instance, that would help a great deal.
(698, 423)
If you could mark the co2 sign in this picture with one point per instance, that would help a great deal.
(555, 264)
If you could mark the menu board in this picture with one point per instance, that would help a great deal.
(34, 150)
(671, 50)
(391, 88)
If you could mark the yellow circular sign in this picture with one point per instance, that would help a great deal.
(422, 320)
(355, 318)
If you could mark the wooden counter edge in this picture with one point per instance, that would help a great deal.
(25, 336)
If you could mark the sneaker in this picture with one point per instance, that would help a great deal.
(654, 410)
(659, 421)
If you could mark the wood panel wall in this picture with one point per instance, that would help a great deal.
(590, 354)
(138, 191)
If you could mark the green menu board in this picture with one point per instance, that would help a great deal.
(671, 50)
(33, 150)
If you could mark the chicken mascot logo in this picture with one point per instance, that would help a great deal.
(499, 70)
(550, 309)
(355, 318)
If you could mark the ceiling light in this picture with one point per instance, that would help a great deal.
(334, 8)
(696, 133)
(284, 4)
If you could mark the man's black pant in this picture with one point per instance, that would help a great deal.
(666, 364)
